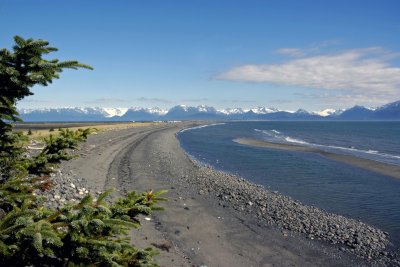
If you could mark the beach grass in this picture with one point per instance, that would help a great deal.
(43, 130)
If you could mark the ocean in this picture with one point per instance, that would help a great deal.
(310, 177)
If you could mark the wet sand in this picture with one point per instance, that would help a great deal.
(371, 165)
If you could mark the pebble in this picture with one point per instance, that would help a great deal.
(67, 187)
(290, 215)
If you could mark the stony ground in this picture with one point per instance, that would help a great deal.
(214, 218)
(278, 210)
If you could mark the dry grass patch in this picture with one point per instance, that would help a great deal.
(42, 130)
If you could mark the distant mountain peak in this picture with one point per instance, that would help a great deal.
(229, 111)
(390, 111)
(111, 112)
(395, 104)
(264, 110)
(328, 112)
(204, 108)
(301, 111)
(360, 107)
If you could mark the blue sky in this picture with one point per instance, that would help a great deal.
(284, 54)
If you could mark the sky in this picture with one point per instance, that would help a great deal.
(285, 54)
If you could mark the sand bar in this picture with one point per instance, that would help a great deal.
(371, 165)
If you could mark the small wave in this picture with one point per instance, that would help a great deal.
(352, 149)
(277, 137)
(370, 151)
(201, 126)
(273, 133)
(266, 131)
(294, 140)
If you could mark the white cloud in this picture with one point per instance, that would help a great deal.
(105, 100)
(293, 52)
(344, 100)
(310, 50)
(362, 71)
(153, 100)
(195, 100)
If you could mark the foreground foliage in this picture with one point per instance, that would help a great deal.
(90, 233)
(87, 233)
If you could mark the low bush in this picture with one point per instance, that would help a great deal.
(90, 233)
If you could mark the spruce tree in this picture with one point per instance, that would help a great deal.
(83, 234)
(20, 70)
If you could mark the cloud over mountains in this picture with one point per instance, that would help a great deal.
(362, 72)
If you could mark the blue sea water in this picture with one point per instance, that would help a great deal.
(309, 177)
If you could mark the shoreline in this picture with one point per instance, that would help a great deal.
(240, 202)
(367, 164)
(217, 219)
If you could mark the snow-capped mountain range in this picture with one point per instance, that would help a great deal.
(389, 111)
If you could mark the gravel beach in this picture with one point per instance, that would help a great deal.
(213, 218)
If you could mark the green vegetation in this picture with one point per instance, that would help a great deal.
(90, 233)
(56, 150)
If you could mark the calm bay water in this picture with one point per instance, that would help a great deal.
(308, 177)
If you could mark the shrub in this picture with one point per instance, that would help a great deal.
(90, 233)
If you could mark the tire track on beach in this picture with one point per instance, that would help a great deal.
(119, 138)
(119, 172)
(123, 176)
(109, 155)
(97, 154)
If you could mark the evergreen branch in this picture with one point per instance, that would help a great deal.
(85, 234)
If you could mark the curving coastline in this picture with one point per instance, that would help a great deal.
(217, 219)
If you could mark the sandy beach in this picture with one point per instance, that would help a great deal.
(212, 218)
(371, 165)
